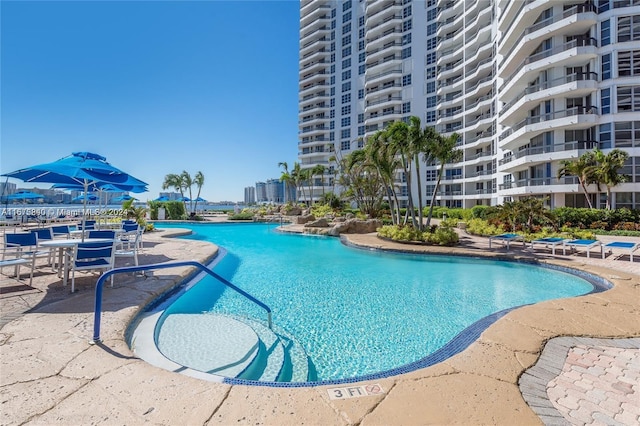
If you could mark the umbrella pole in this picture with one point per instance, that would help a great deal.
(84, 208)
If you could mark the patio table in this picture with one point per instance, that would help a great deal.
(68, 244)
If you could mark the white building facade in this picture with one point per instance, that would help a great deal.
(526, 84)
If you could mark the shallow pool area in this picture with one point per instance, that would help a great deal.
(352, 312)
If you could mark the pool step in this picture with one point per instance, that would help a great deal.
(225, 346)
(280, 359)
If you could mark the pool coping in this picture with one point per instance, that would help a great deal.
(51, 375)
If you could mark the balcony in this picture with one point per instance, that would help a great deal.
(578, 18)
(574, 52)
(374, 29)
(391, 61)
(547, 118)
(392, 47)
(377, 102)
(375, 11)
(319, 44)
(384, 89)
(371, 79)
(576, 90)
(524, 158)
(536, 185)
(392, 34)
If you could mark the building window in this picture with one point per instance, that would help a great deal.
(346, 17)
(603, 6)
(406, 80)
(360, 130)
(628, 98)
(333, 35)
(332, 69)
(406, 107)
(333, 79)
(606, 66)
(627, 134)
(332, 113)
(360, 93)
(333, 24)
(346, 40)
(361, 69)
(346, 98)
(406, 52)
(332, 125)
(605, 33)
(432, 28)
(333, 13)
(605, 101)
(346, 121)
(628, 28)
(362, 57)
(406, 12)
(333, 91)
(431, 43)
(431, 72)
(346, 51)
(346, 28)
(346, 5)
(431, 101)
(332, 136)
(345, 133)
(346, 75)
(346, 110)
(332, 102)
(332, 58)
(406, 25)
(430, 58)
(361, 33)
(346, 86)
(406, 39)
(628, 63)
(431, 116)
(345, 145)
(361, 21)
(360, 45)
(605, 136)
(431, 14)
(346, 63)
(360, 118)
(431, 87)
(333, 46)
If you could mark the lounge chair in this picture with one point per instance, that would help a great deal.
(506, 239)
(549, 241)
(584, 244)
(623, 245)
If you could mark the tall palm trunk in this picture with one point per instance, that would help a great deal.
(419, 182)
(435, 193)
(586, 194)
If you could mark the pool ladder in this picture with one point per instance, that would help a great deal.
(103, 277)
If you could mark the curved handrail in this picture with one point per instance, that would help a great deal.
(103, 277)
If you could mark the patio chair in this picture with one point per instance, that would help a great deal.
(104, 233)
(549, 241)
(15, 258)
(26, 245)
(131, 250)
(506, 239)
(90, 256)
(45, 234)
(623, 245)
(88, 225)
(583, 244)
(61, 231)
(129, 233)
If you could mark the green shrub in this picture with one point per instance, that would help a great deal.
(321, 210)
(443, 236)
(483, 228)
(479, 212)
(400, 233)
(242, 216)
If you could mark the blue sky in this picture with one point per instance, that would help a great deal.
(155, 87)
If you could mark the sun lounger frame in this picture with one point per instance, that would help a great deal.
(549, 242)
(507, 238)
(622, 245)
(574, 244)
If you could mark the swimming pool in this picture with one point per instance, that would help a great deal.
(355, 313)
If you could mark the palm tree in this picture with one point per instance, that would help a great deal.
(176, 182)
(580, 168)
(443, 150)
(398, 134)
(606, 170)
(187, 181)
(298, 178)
(418, 145)
(383, 158)
(286, 178)
(319, 170)
(198, 179)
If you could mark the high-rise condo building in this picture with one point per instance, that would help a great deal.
(526, 84)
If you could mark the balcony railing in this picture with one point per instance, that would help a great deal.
(580, 110)
(538, 182)
(581, 76)
(568, 146)
(578, 42)
(579, 8)
(385, 100)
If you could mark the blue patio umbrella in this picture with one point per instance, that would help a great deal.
(200, 200)
(24, 196)
(124, 197)
(82, 168)
(163, 198)
(86, 197)
(184, 199)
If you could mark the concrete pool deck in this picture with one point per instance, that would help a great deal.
(49, 374)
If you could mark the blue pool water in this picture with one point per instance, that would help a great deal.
(359, 312)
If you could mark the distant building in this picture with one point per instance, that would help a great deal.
(249, 195)
(7, 188)
(275, 191)
(172, 196)
(261, 192)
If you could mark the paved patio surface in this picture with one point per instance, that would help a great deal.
(50, 374)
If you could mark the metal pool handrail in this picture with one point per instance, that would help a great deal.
(103, 277)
